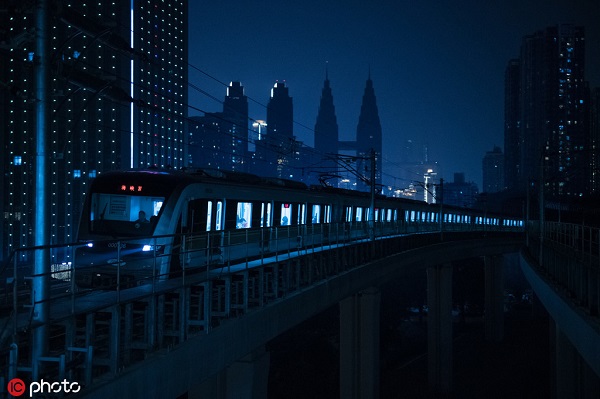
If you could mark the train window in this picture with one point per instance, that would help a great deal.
(389, 215)
(244, 215)
(109, 213)
(219, 216)
(265, 211)
(358, 214)
(301, 214)
(348, 214)
(286, 214)
(214, 211)
(327, 213)
(316, 214)
(209, 216)
(376, 215)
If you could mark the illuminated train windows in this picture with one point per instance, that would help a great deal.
(265, 214)
(301, 214)
(285, 215)
(359, 214)
(209, 216)
(205, 215)
(348, 214)
(327, 215)
(316, 214)
(244, 215)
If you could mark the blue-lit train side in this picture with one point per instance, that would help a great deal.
(150, 224)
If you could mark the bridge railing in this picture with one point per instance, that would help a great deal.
(204, 250)
(569, 254)
(124, 325)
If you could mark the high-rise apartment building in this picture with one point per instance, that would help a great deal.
(547, 136)
(512, 126)
(493, 171)
(118, 100)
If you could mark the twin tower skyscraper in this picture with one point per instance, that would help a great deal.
(220, 140)
(368, 142)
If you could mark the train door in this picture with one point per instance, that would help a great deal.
(205, 222)
(285, 214)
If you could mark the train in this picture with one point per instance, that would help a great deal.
(145, 225)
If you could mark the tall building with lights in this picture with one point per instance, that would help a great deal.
(220, 140)
(553, 139)
(275, 152)
(235, 111)
(512, 126)
(493, 171)
(118, 100)
(368, 135)
(595, 141)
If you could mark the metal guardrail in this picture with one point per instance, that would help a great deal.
(95, 333)
(569, 254)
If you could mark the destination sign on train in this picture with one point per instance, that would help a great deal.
(131, 188)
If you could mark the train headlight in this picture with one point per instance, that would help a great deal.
(90, 245)
(147, 248)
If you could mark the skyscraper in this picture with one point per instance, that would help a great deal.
(512, 127)
(595, 141)
(368, 135)
(553, 113)
(118, 100)
(493, 171)
(220, 139)
(276, 151)
(326, 130)
(235, 111)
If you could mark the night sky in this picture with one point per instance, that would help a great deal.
(437, 66)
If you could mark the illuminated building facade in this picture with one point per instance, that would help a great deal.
(235, 111)
(276, 151)
(118, 81)
(553, 123)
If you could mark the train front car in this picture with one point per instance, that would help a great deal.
(118, 230)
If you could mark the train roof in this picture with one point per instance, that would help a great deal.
(190, 175)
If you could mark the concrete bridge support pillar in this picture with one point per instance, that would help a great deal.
(494, 298)
(247, 378)
(359, 345)
(574, 377)
(439, 328)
